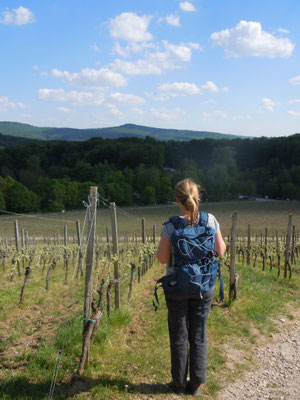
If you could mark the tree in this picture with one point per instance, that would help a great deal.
(115, 193)
(148, 195)
(165, 192)
(19, 199)
(2, 201)
(217, 183)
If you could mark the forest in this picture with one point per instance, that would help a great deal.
(56, 175)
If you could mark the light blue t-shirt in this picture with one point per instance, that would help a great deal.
(168, 229)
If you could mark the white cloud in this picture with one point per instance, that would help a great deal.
(187, 6)
(18, 16)
(130, 27)
(220, 114)
(168, 90)
(35, 68)
(115, 111)
(131, 48)
(137, 111)
(267, 105)
(92, 78)
(294, 113)
(210, 86)
(180, 52)
(248, 39)
(179, 88)
(214, 114)
(172, 20)
(6, 105)
(95, 47)
(294, 101)
(64, 110)
(167, 114)
(73, 97)
(129, 99)
(295, 80)
(139, 67)
(194, 46)
(172, 56)
(285, 31)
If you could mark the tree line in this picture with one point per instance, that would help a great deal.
(52, 176)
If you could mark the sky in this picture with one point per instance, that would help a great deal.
(228, 66)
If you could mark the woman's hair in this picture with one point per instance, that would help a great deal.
(187, 192)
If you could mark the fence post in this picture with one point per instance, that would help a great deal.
(293, 259)
(287, 247)
(143, 231)
(108, 243)
(66, 260)
(266, 241)
(249, 244)
(154, 234)
(232, 283)
(90, 255)
(114, 228)
(80, 255)
(78, 233)
(17, 244)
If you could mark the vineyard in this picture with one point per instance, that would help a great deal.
(71, 286)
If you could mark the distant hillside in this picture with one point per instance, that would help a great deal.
(10, 141)
(128, 130)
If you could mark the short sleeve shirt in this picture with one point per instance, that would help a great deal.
(168, 229)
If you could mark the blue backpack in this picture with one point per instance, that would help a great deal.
(194, 259)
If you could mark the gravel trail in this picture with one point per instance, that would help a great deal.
(277, 369)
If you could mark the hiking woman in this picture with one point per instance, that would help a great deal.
(184, 309)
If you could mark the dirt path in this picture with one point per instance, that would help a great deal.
(276, 373)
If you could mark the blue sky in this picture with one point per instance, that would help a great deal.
(228, 66)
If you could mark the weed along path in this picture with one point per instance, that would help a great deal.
(276, 370)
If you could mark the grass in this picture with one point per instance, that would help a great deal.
(130, 356)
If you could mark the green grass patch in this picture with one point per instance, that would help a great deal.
(130, 356)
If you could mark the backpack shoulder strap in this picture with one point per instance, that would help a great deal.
(176, 222)
(203, 219)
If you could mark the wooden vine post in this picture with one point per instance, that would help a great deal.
(249, 245)
(143, 231)
(154, 234)
(90, 256)
(108, 243)
(114, 228)
(80, 255)
(22, 244)
(287, 263)
(66, 259)
(17, 245)
(92, 326)
(233, 281)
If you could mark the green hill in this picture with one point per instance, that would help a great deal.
(128, 130)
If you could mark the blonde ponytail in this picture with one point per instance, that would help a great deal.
(187, 193)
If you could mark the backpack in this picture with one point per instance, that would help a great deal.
(194, 259)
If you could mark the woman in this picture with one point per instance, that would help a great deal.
(184, 310)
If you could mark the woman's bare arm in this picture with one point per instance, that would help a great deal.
(163, 253)
(220, 244)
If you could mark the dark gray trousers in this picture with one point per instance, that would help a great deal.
(187, 348)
